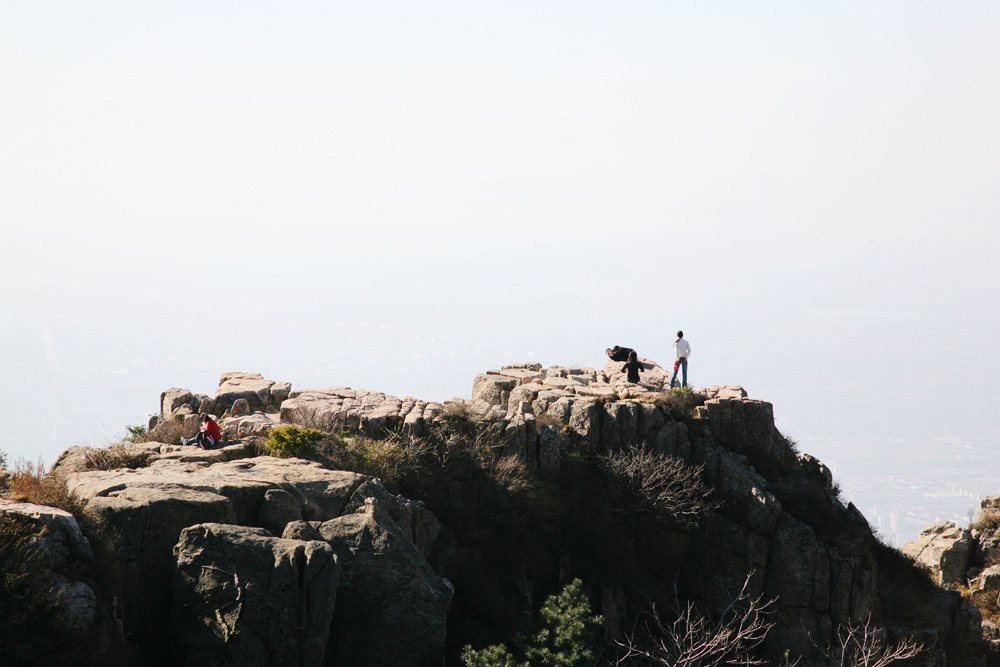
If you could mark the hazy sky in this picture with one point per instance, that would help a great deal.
(396, 196)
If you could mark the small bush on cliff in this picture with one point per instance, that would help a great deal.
(31, 484)
(136, 434)
(680, 403)
(987, 522)
(31, 629)
(564, 641)
(27, 592)
(651, 485)
(294, 441)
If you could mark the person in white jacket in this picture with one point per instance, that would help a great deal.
(682, 350)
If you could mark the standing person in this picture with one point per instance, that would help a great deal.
(633, 367)
(209, 434)
(682, 350)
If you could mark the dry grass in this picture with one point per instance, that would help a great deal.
(115, 457)
(31, 484)
(652, 485)
(169, 432)
(679, 403)
(548, 419)
(987, 522)
(32, 625)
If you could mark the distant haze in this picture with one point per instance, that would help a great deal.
(396, 196)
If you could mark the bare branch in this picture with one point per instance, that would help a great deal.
(695, 640)
(867, 646)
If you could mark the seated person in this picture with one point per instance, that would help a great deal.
(618, 353)
(633, 366)
(209, 434)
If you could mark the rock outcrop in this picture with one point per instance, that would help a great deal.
(259, 393)
(966, 559)
(290, 562)
(244, 596)
(65, 552)
(944, 549)
(200, 532)
(388, 591)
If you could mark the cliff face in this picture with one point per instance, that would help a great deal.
(227, 556)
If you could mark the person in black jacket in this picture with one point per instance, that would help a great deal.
(633, 366)
(618, 353)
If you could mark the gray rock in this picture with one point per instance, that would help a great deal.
(278, 510)
(302, 530)
(243, 596)
(150, 507)
(241, 406)
(250, 386)
(549, 447)
(943, 548)
(798, 573)
(173, 399)
(412, 516)
(80, 603)
(387, 591)
(59, 534)
(334, 408)
(584, 419)
(494, 389)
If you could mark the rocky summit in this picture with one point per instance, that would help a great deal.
(234, 555)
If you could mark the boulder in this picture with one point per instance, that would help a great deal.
(412, 516)
(387, 590)
(174, 399)
(334, 408)
(70, 461)
(944, 549)
(243, 596)
(278, 510)
(250, 386)
(80, 603)
(816, 471)
(58, 533)
(653, 377)
(494, 389)
(258, 423)
(987, 591)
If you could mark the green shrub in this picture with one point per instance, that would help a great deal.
(295, 441)
(136, 434)
(563, 641)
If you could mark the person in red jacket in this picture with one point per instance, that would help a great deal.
(209, 434)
